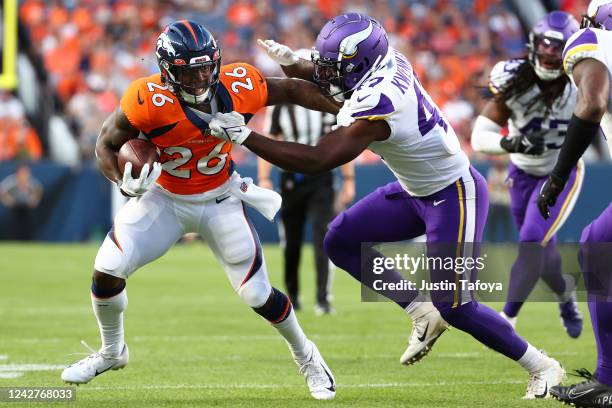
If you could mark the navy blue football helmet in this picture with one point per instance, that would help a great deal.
(189, 60)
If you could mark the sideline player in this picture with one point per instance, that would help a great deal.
(587, 58)
(437, 193)
(535, 98)
(193, 192)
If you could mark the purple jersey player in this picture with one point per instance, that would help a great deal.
(587, 58)
(536, 99)
(437, 192)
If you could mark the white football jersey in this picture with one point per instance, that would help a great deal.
(597, 44)
(422, 151)
(534, 120)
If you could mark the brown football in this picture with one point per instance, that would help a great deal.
(138, 152)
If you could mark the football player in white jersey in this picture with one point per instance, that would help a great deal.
(437, 192)
(587, 58)
(536, 99)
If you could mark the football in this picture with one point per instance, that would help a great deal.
(138, 152)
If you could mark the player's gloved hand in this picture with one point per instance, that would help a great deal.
(527, 144)
(344, 117)
(230, 127)
(551, 189)
(131, 187)
(280, 53)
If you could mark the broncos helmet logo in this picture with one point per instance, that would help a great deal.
(163, 41)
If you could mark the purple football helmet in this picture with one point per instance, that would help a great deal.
(599, 15)
(348, 48)
(546, 42)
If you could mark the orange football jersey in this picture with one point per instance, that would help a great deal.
(193, 162)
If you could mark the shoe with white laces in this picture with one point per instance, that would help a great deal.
(511, 320)
(426, 330)
(318, 376)
(95, 364)
(540, 382)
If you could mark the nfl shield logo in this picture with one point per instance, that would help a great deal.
(244, 187)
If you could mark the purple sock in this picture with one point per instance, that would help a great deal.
(601, 319)
(524, 275)
(488, 327)
(552, 273)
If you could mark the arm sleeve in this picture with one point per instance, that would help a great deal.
(486, 137)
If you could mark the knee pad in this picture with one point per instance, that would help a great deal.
(234, 238)
(111, 258)
(255, 293)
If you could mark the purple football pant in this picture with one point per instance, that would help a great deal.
(540, 259)
(594, 257)
(452, 218)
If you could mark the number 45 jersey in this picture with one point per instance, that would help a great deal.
(529, 117)
(422, 150)
(193, 162)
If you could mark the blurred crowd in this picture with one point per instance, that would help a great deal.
(92, 49)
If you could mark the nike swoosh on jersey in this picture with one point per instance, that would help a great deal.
(437, 203)
(362, 99)
(140, 101)
(219, 200)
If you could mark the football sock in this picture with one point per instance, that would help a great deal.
(419, 307)
(486, 326)
(109, 313)
(279, 312)
(601, 318)
(533, 360)
(294, 336)
(525, 273)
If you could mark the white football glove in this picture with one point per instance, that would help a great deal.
(280, 53)
(344, 117)
(230, 127)
(132, 187)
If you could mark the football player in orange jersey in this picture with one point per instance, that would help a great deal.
(195, 192)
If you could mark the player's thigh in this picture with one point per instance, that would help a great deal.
(388, 214)
(143, 230)
(536, 228)
(520, 187)
(232, 238)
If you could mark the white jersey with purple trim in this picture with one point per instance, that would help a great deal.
(526, 119)
(422, 151)
(597, 44)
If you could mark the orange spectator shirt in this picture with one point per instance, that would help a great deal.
(193, 161)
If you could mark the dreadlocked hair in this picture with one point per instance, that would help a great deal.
(524, 78)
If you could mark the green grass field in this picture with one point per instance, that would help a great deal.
(194, 343)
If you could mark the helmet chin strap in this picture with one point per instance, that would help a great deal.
(546, 74)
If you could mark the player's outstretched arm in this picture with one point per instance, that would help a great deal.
(291, 64)
(116, 130)
(334, 149)
(299, 92)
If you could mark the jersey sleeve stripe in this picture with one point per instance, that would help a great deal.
(383, 108)
(576, 50)
(587, 37)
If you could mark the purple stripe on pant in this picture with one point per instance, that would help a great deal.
(456, 213)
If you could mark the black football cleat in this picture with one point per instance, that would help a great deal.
(587, 394)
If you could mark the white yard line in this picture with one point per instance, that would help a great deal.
(10, 375)
(276, 386)
(4, 368)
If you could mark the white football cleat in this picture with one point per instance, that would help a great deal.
(540, 382)
(95, 364)
(426, 330)
(511, 320)
(318, 376)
